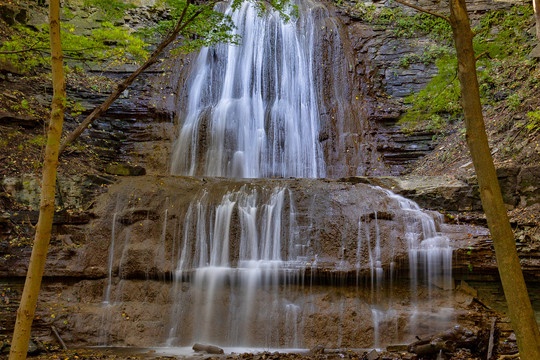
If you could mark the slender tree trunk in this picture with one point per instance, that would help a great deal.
(27, 307)
(536, 7)
(515, 291)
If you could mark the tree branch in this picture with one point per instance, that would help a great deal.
(31, 48)
(181, 25)
(48, 51)
(423, 10)
(485, 53)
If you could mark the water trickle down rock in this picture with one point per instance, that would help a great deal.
(273, 263)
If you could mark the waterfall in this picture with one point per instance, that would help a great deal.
(278, 263)
(261, 260)
(252, 109)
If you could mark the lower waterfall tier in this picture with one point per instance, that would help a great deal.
(268, 263)
(246, 261)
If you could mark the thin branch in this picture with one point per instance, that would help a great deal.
(125, 83)
(485, 53)
(31, 48)
(48, 50)
(423, 10)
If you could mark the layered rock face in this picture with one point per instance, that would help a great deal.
(271, 263)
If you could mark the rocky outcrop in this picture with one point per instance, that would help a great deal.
(399, 66)
(13, 13)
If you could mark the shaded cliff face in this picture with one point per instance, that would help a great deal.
(118, 280)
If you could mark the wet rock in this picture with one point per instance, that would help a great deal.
(319, 349)
(133, 215)
(508, 182)
(448, 341)
(433, 192)
(11, 119)
(210, 349)
(75, 192)
(6, 68)
(12, 13)
(535, 53)
(529, 185)
(4, 348)
(372, 355)
(397, 348)
(125, 170)
(33, 348)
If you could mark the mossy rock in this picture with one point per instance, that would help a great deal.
(13, 13)
(125, 170)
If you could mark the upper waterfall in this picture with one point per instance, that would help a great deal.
(252, 109)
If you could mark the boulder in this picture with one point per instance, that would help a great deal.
(125, 170)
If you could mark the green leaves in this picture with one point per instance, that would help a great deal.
(439, 101)
(503, 33)
(409, 26)
(109, 45)
(127, 47)
(112, 9)
(211, 26)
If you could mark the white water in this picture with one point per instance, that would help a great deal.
(107, 299)
(252, 109)
(430, 260)
(214, 312)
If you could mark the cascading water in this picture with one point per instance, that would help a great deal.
(290, 263)
(252, 109)
(256, 265)
(250, 270)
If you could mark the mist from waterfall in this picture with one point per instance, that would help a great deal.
(252, 109)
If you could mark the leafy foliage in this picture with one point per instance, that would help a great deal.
(504, 32)
(534, 121)
(401, 23)
(502, 36)
(112, 9)
(109, 44)
(210, 26)
(439, 101)
(409, 26)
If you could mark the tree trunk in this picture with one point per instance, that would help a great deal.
(515, 291)
(27, 307)
(536, 7)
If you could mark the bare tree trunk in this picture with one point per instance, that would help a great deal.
(536, 7)
(27, 307)
(515, 291)
(181, 25)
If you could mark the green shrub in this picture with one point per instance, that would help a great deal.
(502, 73)
(95, 47)
(534, 121)
(439, 101)
(112, 9)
